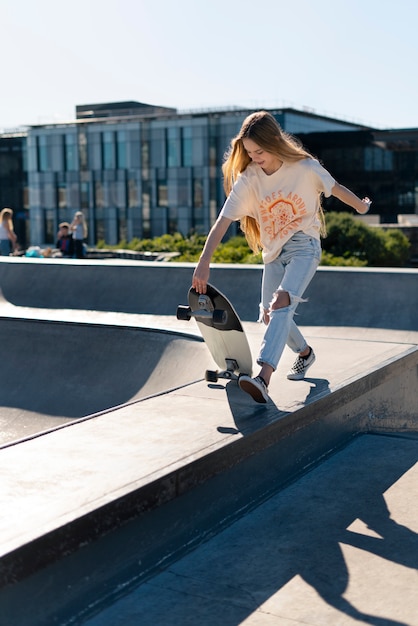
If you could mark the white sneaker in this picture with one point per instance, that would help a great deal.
(256, 387)
(301, 366)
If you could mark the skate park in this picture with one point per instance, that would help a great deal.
(133, 490)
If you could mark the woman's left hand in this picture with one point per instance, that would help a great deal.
(366, 203)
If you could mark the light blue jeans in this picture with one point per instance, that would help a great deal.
(292, 271)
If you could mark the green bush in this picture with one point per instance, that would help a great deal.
(397, 248)
(349, 242)
(331, 260)
(235, 250)
(373, 246)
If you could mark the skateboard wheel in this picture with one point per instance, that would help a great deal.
(220, 317)
(183, 312)
(211, 377)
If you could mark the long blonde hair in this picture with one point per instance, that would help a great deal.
(262, 128)
(6, 215)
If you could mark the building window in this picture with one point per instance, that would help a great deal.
(62, 195)
(98, 195)
(162, 192)
(173, 145)
(172, 226)
(95, 151)
(145, 159)
(198, 193)
(42, 153)
(184, 186)
(377, 160)
(133, 195)
(49, 226)
(187, 146)
(99, 225)
(157, 148)
(70, 153)
(108, 150)
(85, 195)
(122, 225)
(82, 149)
(406, 200)
(121, 150)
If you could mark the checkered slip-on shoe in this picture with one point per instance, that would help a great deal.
(301, 366)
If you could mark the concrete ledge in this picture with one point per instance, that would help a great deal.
(368, 297)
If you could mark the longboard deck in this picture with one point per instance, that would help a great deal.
(227, 341)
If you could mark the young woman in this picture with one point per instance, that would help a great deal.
(274, 187)
(8, 239)
(78, 228)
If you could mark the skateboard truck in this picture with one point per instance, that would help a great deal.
(205, 303)
(212, 376)
(205, 310)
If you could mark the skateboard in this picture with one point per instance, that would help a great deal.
(222, 331)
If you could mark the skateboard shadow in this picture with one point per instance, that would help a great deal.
(248, 415)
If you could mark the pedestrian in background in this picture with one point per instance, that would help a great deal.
(65, 240)
(8, 239)
(79, 231)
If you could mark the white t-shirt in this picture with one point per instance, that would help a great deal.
(78, 232)
(282, 203)
(4, 233)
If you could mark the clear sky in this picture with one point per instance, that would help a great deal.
(351, 59)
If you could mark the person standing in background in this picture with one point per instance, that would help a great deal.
(65, 240)
(78, 228)
(8, 239)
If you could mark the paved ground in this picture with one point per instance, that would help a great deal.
(338, 547)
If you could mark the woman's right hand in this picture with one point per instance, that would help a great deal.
(201, 277)
(202, 271)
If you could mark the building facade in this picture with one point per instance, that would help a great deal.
(382, 164)
(14, 181)
(137, 170)
(137, 174)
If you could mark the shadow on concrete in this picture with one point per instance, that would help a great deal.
(297, 534)
(320, 388)
(250, 416)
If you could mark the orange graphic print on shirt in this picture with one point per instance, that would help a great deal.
(281, 216)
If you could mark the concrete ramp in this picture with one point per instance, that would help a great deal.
(56, 372)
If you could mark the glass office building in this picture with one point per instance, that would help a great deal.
(137, 170)
(382, 164)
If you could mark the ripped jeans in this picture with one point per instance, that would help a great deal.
(291, 271)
